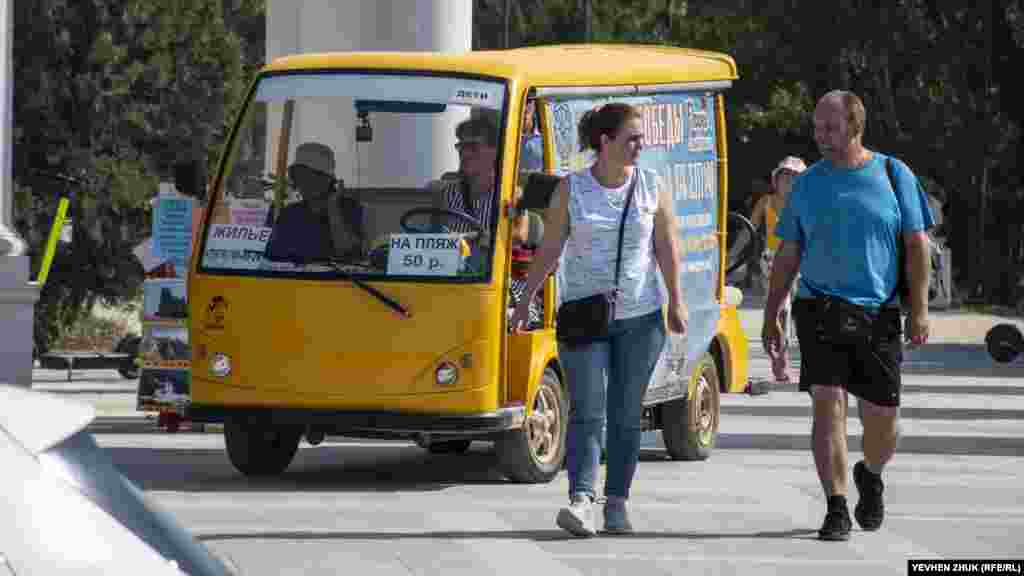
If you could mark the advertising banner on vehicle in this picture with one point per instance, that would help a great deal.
(679, 145)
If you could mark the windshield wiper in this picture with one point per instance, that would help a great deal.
(342, 269)
(387, 300)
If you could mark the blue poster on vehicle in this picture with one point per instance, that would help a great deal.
(679, 145)
(172, 232)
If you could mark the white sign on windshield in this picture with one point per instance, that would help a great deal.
(236, 247)
(424, 254)
(383, 87)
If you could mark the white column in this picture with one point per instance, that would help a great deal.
(17, 296)
(373, 25)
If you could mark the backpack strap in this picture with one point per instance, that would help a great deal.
(900, 290)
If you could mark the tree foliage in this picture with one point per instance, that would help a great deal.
(110, 96)
(935, 77)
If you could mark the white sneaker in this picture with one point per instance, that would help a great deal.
(578, 518)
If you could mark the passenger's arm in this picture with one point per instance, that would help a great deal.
(520, 223)
(757, 214)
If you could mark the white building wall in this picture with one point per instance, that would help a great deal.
(372, 25)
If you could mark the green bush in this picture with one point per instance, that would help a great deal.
(91, 333)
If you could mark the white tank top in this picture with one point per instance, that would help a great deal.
(587, 265)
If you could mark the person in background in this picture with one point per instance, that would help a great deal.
(531, 151)
(764, 217)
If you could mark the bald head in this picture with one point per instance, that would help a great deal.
(850, 105)
(839, 126)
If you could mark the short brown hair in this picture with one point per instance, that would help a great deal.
(607, 119)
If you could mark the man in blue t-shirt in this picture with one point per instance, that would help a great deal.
(841, 229)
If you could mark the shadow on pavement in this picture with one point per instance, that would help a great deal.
(367, 468)
(531, 535)
(947, 445)
(906, 412)
(943, 359)
(958, 360)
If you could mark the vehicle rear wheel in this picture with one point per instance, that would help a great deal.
(690, 425)
(257, 449)
(534, 453)
(448, 446)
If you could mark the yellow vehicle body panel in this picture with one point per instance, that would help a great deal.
(732, 341)
(288, 347)
(560, 65)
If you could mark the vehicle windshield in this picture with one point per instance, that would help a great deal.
(338, 175)
(80, 462)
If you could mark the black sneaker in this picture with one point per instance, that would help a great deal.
(836, 527)
(870, 510)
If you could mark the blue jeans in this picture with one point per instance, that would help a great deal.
(608, 379)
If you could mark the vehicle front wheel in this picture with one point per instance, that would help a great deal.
(257, 449)
(690, 425)
(534, 453)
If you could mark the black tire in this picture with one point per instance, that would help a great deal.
(690, 425)
(449, 446)
(1004, 342)
(260, 449)
(534, 453)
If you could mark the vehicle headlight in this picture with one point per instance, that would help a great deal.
(220, 365)
(446, 374)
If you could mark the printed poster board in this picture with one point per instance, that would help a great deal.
(164, 352)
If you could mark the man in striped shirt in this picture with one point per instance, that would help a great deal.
(472, 191)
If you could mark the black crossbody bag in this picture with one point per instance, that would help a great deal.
(588, 319)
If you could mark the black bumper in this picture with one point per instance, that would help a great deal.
(342, 421)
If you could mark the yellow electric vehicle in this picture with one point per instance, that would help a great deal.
(330, 294)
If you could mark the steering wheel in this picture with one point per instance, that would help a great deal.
(441, 212)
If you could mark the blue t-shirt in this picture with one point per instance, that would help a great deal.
(847, 223)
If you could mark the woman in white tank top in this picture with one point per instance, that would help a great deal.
(607, 378)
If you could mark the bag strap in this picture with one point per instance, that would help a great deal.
(900, 272)
(622, 225)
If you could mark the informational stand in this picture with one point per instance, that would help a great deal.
(164, 353)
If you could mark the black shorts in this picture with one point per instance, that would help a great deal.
(869, 370)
